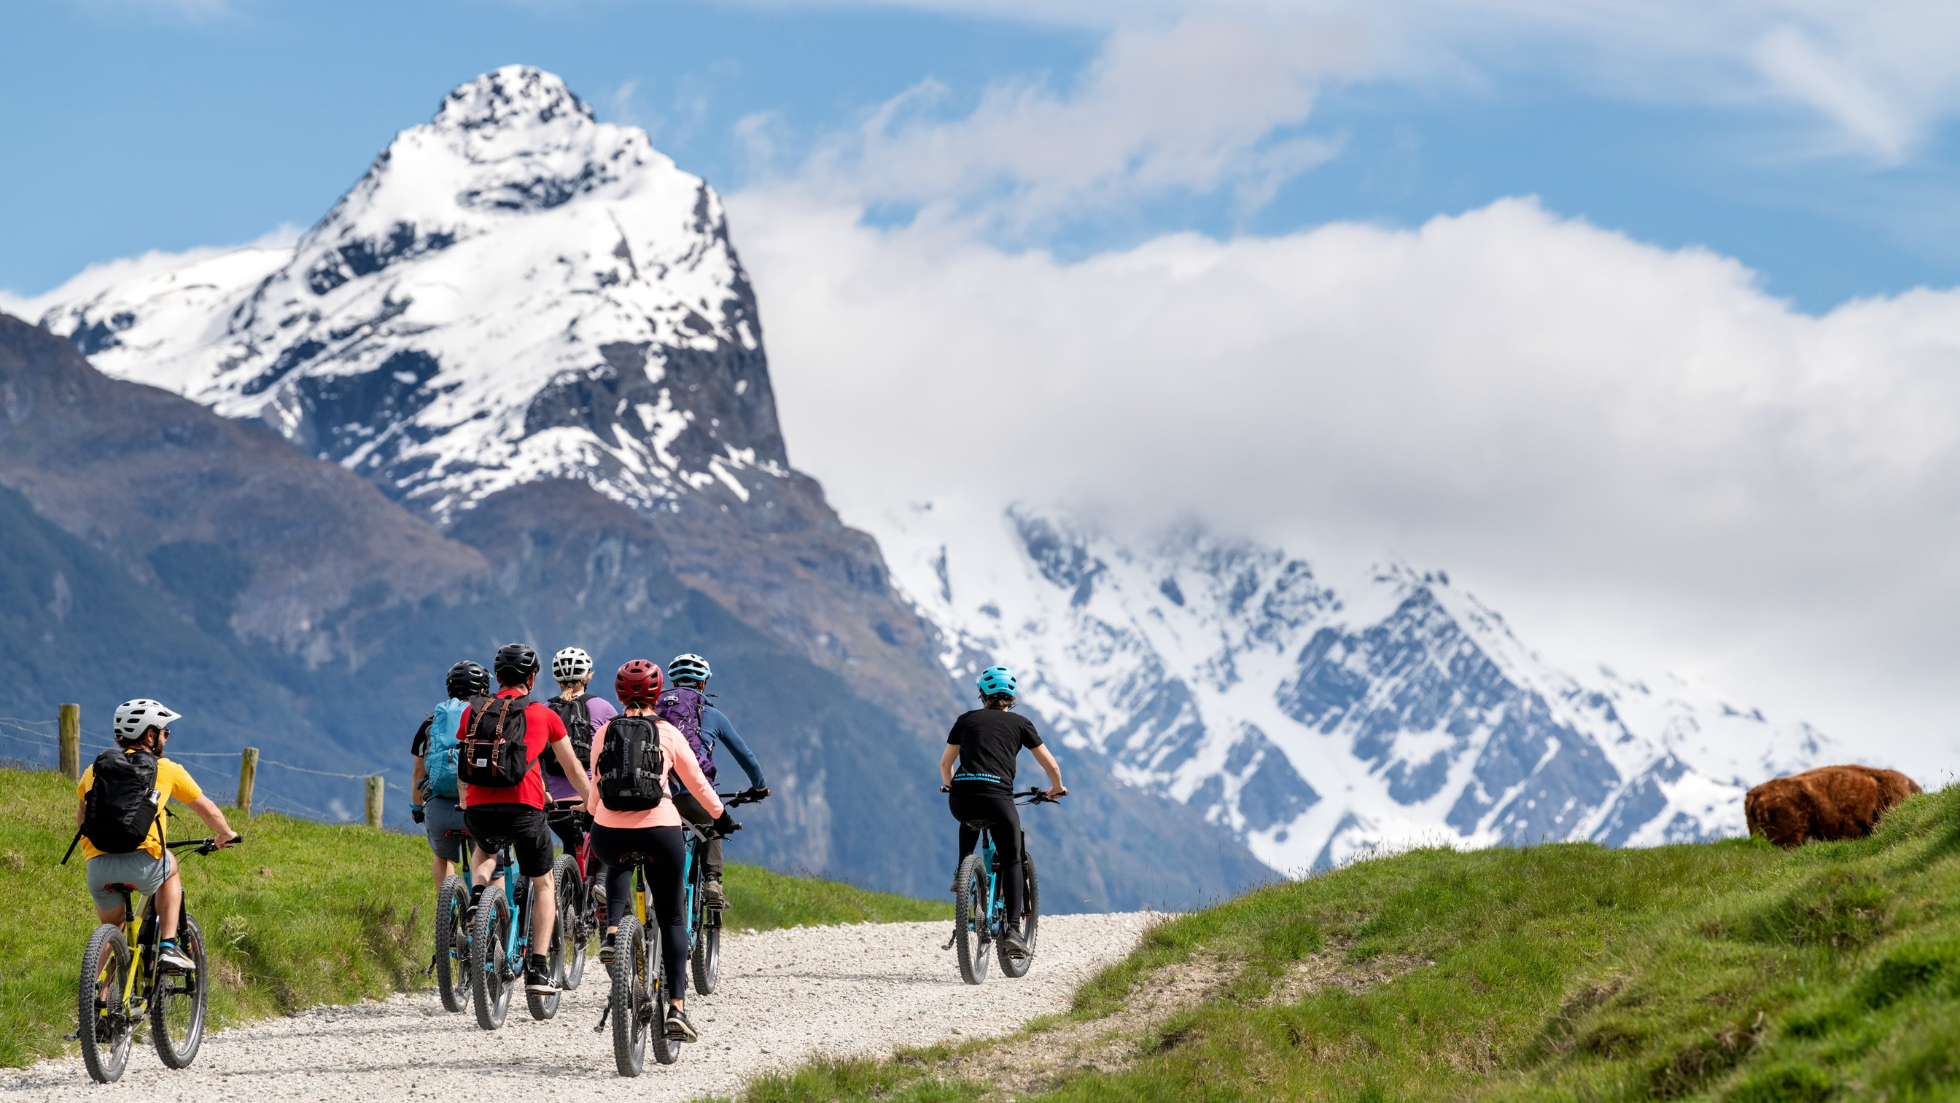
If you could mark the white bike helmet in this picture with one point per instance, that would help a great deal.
(133, 718)
(571, 665)
(692, 668)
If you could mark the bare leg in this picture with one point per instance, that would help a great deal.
(170, 901)
(544, 910)
(441, 868)
(112, 916)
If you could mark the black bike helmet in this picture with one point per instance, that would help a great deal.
(516, 664)
(467, 680)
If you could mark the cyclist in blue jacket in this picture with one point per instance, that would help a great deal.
(441, 813)
(692, 672)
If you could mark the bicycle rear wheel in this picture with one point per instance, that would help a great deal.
(970, 919)
(572, 916)
(490, 975)
(453, 943)
(102, 1019)
(706, 959)
(665, 1050)
(1030, 920)
(177, 1006)
(632, 1007)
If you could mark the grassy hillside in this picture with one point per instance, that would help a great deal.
(304, 913)
(1730, 971)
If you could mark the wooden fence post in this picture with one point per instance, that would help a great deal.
(248, 772)
(374, 802)
(70, 726)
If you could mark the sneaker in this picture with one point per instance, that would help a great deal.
(606, 947)
(711, 892)
(537, 976)
(174, 960)
(678, 1027)
(1016, 945)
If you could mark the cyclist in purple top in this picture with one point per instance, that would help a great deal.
(583, 714)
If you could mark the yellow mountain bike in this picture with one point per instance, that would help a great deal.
(121, 983)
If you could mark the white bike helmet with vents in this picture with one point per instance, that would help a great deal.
(691, 668)
(571, 665)
(133, 718)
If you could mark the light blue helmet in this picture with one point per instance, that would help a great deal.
(997, 681)
(694, 668)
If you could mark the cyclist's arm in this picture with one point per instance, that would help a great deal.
(214, 818)
(744, 757)
(421, 775)
(1043, 755)
(946, 761)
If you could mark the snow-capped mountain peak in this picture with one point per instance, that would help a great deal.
(512, 291)
(1317, 720)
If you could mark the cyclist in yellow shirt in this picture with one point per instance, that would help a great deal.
(137, 781)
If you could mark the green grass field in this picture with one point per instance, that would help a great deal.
(1728, 971)
(304, 913)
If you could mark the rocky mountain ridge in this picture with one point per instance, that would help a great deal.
(1317, 722)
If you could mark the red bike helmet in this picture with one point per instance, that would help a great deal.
(639, 683)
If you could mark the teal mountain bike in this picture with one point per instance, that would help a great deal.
(980, 903)
(500, 940)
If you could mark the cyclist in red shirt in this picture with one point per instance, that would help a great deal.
(514, 814)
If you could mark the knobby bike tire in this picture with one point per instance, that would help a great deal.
(489, 952)
(665, 1050)
(706, 959)
(970, 920)
(1030, 921)
(105, 1031)
(572, 917)
(545, 1006)
(453, 943)
(631, 1004)
(179, 1003)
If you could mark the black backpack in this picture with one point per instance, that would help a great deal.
(494, 753)
(632, 769)
(577, 716)
(123, 802)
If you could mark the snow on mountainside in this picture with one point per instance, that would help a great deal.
(512, 292)
(1317, 722)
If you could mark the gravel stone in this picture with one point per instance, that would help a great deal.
(786, 996)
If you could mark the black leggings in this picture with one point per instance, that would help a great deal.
(998, 813)
(665, 853)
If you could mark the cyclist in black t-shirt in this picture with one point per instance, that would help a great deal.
(984, 744)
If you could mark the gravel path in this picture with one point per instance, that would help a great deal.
(785, 996)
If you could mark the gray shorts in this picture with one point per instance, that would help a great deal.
(441, 815)
(137, 869)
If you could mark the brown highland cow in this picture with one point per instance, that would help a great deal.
(1830, 802)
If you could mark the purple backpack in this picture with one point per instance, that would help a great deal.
(682, 707)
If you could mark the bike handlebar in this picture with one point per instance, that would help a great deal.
(204, 846)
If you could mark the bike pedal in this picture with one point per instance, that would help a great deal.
(75, 1037)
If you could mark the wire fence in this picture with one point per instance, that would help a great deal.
(28, 732)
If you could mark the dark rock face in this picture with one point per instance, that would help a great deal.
(157, 549)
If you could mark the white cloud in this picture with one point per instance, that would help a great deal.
(1635, 452)
(1879, 76)
(1208, 104)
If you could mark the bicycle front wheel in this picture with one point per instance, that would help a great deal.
(453, 943)
(177, 1005)
(102, 1020)
(1030, 919)
(706, 959)
(970, 919)
(490, 975)
(632, 1006)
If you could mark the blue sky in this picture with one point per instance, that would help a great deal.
(147, 124)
